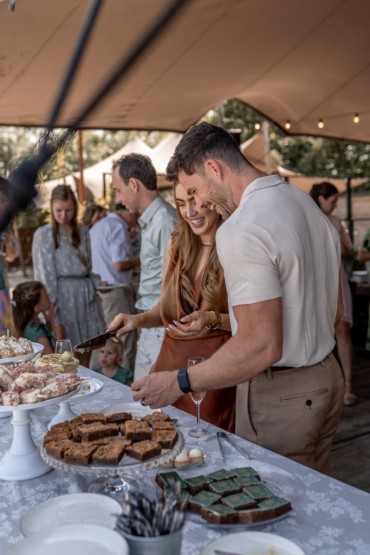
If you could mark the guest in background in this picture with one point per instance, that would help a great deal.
(113, 260)
(110, 360)
(192, 307)
(93, 213)
(34, 315)
(134, 181)
(5, 311)
(62, 262)
(325, 195)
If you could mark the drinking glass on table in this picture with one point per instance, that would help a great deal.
(197, 397)
(62, 346)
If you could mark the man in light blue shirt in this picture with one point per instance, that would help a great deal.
(112, 259)
(135, 185)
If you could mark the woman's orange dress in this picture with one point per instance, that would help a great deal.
(218, 406)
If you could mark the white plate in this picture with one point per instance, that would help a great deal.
(137, 410)
(254, 543)
(37, 350)
(90, 386)
(76, 508)
(40, 404)
(279, 481)
(72, 539)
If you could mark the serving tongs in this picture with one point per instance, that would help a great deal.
(94, 342)
(231, 441)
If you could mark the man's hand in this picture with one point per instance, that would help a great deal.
(159, 389)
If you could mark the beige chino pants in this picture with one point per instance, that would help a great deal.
(294, 412)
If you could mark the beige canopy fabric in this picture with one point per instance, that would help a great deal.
(297, 61)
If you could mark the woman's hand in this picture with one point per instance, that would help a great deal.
(192, 324)
(123, 323)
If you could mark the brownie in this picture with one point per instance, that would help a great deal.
(96, 430)
(244, 471)
(198, 483)
(61, 426)
(91, 417)
(156, 417)
(202, 499)
(77, 421)
(247, 480)
(57, 435)
(279, 504)
(221, 474)
(219, 514)
(162, 425)
(111, 453)
(137, 430)
(224, 487)
(239, 501)
(258, 491)
(57, 449)
(80, 453)
(119, 417)
(143, 450)
(100, 441)
(166, 438)
(168, 479)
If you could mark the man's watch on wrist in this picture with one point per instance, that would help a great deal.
(183, 380)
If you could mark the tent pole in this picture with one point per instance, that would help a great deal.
(81, 184)
(349, 208)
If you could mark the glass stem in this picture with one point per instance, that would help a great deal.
(198, 415)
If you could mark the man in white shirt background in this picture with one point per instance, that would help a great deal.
(134, 182)
(113, 260)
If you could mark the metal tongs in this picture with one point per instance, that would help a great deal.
(94, 342)
(232, 441)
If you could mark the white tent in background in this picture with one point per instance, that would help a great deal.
(162, 153)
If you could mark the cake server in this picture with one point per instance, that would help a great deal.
(94, 342)
(231, 440)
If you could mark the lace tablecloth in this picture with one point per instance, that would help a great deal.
(332, 518)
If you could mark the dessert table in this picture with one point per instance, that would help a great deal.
(331, 518)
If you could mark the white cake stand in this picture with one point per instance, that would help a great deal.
(22, 461)
(89, 387)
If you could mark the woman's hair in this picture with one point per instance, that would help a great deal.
(64, 193)
(181, 273)
(25, 297)
(324, 189)
(116, 347)
(90, 211)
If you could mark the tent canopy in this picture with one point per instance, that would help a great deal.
(296, 61)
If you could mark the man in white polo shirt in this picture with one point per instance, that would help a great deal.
(281, 259)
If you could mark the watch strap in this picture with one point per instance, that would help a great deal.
(183, 380)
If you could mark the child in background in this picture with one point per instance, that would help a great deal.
(29, 300)
(110, 358)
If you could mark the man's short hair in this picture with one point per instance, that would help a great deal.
(201, 142)
(138, 166)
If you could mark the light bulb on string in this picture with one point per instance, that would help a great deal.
(257, 126)
(356, 118)
(320, 124)
(288, 124)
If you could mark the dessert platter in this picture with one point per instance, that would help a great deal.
(25, 387)
(239, 496)
(14, 350)
(117, 446)
(190, 457)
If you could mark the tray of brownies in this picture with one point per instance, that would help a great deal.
(94, 444)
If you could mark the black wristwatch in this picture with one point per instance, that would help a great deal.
(183, 380)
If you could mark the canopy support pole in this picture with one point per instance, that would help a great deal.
(349, 208)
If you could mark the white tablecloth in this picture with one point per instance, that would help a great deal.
(331, 519)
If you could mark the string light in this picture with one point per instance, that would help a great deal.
(320, 125)
(356, 118)
(257, 126)
(288, 124)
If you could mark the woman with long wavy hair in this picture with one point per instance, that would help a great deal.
(61, 256)
(193, 305)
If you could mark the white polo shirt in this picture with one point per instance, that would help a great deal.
(278, 243)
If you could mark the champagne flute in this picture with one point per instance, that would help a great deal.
(197, 397)
(65, 411)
